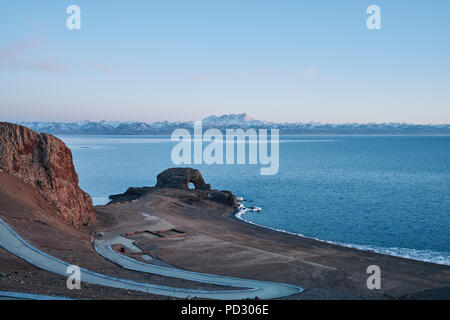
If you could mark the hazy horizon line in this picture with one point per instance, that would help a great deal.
(253, 119)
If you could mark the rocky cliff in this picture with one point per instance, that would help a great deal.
(45, 162)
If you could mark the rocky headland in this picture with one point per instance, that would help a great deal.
(180, 178)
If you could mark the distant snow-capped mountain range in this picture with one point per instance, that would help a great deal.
(229, 121)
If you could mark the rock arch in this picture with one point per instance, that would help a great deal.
(179, 178)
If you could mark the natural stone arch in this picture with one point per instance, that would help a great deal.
(180, 178)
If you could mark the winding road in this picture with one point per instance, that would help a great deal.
(12, 242)
(4, 295)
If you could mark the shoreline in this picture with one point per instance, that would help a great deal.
(238, 216)
(367, 248)
(215, 241)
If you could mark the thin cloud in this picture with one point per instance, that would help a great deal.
(18, 48)
(205, 78)
(196, 79)
(309, 72)
(102, 68)
(48, 67)
(11, 56)
(246, 76)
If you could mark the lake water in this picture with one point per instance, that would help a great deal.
(388, 194)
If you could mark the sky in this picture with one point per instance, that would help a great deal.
(281, 60)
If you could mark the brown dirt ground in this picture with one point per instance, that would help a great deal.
(30, 216)
(214, 243)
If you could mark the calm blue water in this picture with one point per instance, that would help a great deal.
(389, 194)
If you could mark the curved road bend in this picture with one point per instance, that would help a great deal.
(12, 242)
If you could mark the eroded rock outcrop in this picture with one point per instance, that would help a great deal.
(45, 162)
(180, 178)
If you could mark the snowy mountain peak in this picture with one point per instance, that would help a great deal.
(241, 120)
(232, 117)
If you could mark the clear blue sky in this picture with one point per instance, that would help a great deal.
(184, 60)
